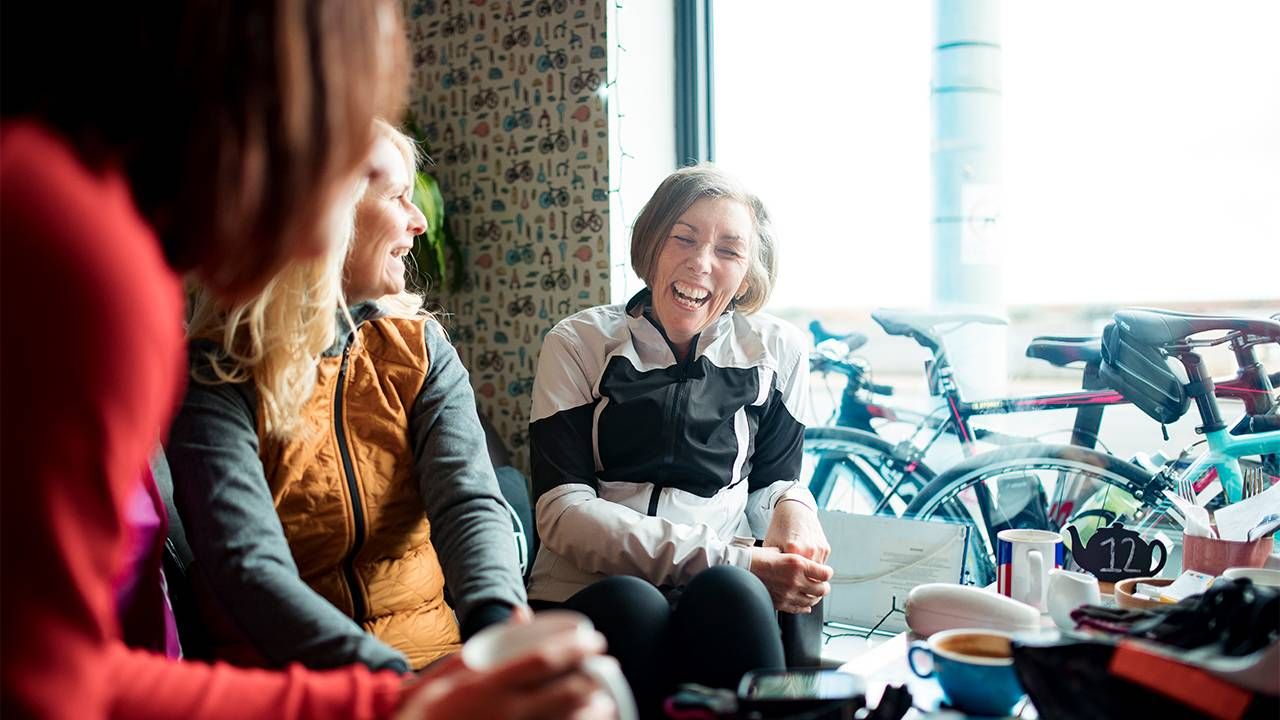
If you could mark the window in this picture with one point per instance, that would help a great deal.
(1139, 144)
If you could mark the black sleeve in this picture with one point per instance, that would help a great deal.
(560, 446)
(779, 445)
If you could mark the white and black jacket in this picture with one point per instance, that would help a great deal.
(646, 466)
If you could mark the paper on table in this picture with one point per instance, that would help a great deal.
(1188, 583)
(878, 560)
(1237, 519)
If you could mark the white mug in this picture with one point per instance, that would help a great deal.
(1023, 561)
(1260, 576)
(1069, 590)
(497, 644)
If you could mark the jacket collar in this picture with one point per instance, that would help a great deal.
(360, 313)
(640, 307)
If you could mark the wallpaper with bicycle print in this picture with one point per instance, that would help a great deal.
(505, 93)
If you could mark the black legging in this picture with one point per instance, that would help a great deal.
(720, 626)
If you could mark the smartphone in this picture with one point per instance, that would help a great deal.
(779, 693)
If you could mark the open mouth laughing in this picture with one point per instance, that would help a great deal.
(689, 296)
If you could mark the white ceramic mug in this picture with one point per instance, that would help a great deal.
(1259, 576)
(1023, 561)
(1069, 590)
(497, 644)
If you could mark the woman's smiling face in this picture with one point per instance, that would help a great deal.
(386, 223)
(702, 266)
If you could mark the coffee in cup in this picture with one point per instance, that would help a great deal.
(974, 668)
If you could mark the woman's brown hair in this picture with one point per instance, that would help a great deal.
(235, 121)
(674, 196)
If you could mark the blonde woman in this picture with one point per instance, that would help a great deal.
(333, 487)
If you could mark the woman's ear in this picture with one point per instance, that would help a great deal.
(742, 291)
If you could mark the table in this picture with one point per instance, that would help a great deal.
(882, 661)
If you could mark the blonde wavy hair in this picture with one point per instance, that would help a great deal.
(276, 338)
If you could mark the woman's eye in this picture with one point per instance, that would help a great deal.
(684, 240)
(725, 252)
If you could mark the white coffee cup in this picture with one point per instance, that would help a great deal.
(497, 644)
(1023, 561)
(1069, 590)
(1259, 576)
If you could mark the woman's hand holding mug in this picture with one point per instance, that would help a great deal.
(544, 668)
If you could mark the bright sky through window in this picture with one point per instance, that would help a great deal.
(1141, 142)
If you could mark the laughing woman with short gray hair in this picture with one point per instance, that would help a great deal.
(666, 434)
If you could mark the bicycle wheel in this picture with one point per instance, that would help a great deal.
(1043, 487)
(857, 471)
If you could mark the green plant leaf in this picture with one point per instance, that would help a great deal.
(429, 247)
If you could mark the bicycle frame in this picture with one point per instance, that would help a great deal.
(1238, 388)
(1247, 386)
(1224, 453)
(1226, 449)
(1250, 385)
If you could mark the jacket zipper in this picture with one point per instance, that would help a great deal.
(674, 419)
(357, 510)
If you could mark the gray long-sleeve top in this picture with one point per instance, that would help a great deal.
(240, 549)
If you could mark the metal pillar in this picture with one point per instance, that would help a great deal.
(967, 252)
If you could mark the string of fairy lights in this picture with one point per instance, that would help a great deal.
(613, 100)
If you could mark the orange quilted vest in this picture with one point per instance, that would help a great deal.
(345, 493)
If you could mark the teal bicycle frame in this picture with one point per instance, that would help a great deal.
(1224, 453)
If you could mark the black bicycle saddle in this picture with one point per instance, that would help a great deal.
(1062, 351)
(1166, 327)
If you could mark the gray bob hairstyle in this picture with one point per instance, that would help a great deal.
(674, 197)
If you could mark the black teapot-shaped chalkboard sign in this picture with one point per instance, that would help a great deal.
(1115, 553)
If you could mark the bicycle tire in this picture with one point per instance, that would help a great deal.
(1066, 466)
(870, 464)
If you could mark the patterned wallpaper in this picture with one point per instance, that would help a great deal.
(506, 93)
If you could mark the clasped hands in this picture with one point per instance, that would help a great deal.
(792, 562)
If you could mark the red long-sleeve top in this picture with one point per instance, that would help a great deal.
(93, 366)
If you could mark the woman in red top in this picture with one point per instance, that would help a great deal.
(140, 140)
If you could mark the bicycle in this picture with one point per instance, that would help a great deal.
(556, 278)
(522, 118)
(455, 25)
(553, 196)
(584, 221)
(523, 304)
(552, 59)
(489, 231)
(519, 36)
(585, 79)
(546, 7)
(1052, 486)
(520, 254)
(458, 76)
(891, 474)
(487, 98)
(897, 471)
(521, 170)
(557, 140)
